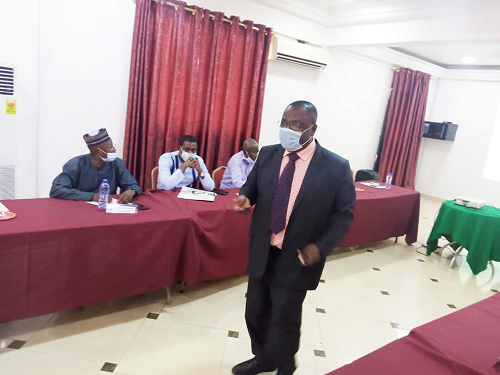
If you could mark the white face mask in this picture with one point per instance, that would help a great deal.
(290, 139)
(110, 156)
(186, 155)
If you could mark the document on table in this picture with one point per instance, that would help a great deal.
(375, 185)
(3, 208)
(113, 201)
(196, 195)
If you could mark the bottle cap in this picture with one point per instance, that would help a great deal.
(105, 180)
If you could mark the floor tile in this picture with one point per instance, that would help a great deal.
(313, 299)
(220, 309)
(167, 348)
(238, 283)
(349, 339)
(4, 343)
(326, 365)
(425, 289)
(408, 266)
(98, 332)
(236, 351)
(16, 344)
(25, 362)
(305, 362)
(243, 331)
(23, 329)
(310, 334)
(342, 275)
(412, 313)
(363, 303)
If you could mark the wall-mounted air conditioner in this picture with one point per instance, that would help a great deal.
(298, 52)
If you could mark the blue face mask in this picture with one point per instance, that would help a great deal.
(248, 159)
(290, 139)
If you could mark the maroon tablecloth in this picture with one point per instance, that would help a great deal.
(466, 342)
(383, 213)
(218, 244)
(61, 254)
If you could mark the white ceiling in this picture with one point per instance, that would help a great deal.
(450, 55)
(345, 13)
(339, 12)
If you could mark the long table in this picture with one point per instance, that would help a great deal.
(58, 254)
(383, 213)
(466, 342)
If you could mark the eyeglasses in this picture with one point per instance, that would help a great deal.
(294, 125)
(109, 149)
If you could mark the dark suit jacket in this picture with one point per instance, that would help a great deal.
(322, 214)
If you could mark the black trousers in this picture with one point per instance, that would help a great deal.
(273, 316)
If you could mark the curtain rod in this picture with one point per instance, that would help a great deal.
(193, 11)
(397, 68)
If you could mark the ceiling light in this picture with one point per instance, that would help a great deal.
(468, 60)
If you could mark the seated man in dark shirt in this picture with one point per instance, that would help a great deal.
(82, 175)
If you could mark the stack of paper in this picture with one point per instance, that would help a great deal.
(196, 195)
(375, 185)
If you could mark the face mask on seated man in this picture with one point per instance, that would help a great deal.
(82, 175)
(183, 167)
(240, 165)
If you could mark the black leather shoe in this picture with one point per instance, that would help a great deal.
(251, 367)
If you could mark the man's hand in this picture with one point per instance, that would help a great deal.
(198, 168)
(190, 163)
(310, 255)
(242, 204)
(95, 198)
(126, 196)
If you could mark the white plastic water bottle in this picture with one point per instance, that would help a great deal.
(103, 194)
(388, 180)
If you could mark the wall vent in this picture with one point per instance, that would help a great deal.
(7, 182)
(6, 80)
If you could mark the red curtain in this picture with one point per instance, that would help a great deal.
(404, 127)
(192, 73)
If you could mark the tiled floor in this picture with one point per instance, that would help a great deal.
(370, 296)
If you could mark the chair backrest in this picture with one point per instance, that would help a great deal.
(217, 175)
(366, 174)
(154, 178)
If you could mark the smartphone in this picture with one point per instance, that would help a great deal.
(221, 192)
(141, 207)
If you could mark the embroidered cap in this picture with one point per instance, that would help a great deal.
(96, 137)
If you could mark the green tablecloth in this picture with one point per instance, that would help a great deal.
(478, 231)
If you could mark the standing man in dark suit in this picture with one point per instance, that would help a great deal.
(304, 199)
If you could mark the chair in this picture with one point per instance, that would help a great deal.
(154, 178)
(366, 175)
(217, 175)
